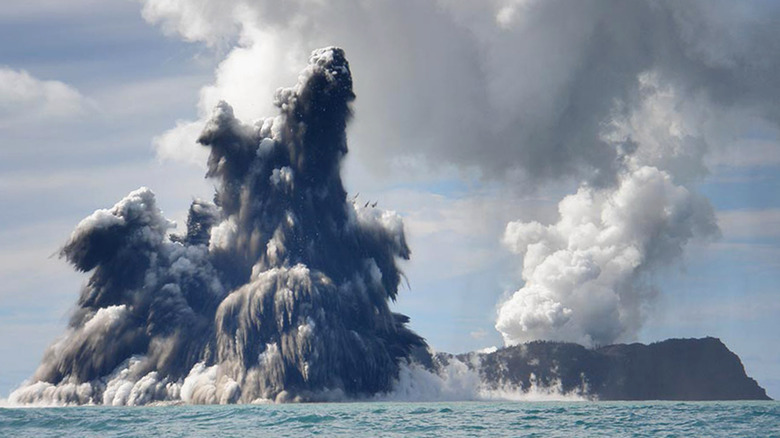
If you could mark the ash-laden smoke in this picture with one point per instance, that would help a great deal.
(278, 291)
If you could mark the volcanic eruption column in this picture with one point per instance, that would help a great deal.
(279, 290)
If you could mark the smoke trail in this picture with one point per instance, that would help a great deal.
(279, 290)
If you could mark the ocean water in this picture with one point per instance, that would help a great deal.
(461, 419)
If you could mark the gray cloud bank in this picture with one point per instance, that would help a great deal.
(507, 86)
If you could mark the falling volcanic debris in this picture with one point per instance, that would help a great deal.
(278, 291)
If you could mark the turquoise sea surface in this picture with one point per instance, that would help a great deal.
(459, 419)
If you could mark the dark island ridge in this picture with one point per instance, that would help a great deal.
(674, 369)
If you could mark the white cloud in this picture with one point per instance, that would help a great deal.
(180, 143)
(195, 20)
(23, 96)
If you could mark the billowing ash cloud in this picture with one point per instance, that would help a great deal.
(279, 290)
(502, 85)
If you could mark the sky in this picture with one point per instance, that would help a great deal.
(469, 116)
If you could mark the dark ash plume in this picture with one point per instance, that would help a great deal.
(278, 291)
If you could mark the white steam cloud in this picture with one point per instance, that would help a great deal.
(584, 275)
(588, 277)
